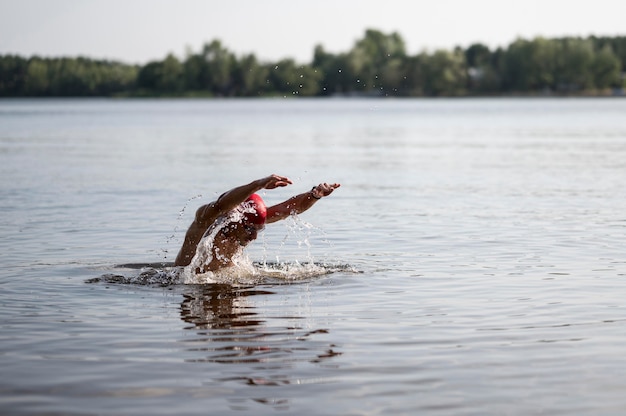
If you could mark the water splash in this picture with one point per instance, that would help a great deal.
(242, 270)
(204, 250)
(302, 233)
(148, 276)
(296, 271)
(242, 274)
(207, 251)
(173, 237)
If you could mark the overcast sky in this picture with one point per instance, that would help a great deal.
(136, 31)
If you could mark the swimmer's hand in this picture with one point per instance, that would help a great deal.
(274, 181)
(324, 189)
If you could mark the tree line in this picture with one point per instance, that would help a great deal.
(377, 65)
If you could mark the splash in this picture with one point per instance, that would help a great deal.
(244, 273)
(296, 272)
(242, 270)
(172, 237)
(150, 275)
(206, 252)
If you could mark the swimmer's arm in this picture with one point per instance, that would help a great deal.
(230, 199)
(299, 203)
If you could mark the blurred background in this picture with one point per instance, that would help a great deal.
(364, 48)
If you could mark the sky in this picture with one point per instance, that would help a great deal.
(138, 31)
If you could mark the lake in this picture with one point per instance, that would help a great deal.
(472, 262)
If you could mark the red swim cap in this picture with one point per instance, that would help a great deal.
(254, 210)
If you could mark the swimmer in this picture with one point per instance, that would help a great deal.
(238, 215)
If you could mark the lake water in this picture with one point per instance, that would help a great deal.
(472, 262)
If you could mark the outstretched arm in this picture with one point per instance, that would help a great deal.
(230, 199)
(300, 203)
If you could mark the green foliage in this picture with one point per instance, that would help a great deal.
(250, 77)
(562, 65)
(335, 77)
(37, 80)
(377, 65)
(12, 75)
(64, 77)
(445, 73)
(290, 79)
(606, 68)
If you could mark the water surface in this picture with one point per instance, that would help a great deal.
(471, 263)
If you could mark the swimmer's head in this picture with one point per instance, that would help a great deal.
(254, 210)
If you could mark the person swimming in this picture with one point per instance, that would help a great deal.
(234, 220)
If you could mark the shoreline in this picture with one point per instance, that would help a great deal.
(541, 95)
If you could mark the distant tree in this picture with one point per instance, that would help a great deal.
(36, 79)
(482, 69)
(171, 78)
(567, 65)
(376, 62)
(71, 77)
(217, 76)
(529, 65)
(115, 78)
(606, 69)
(544, 60)
(194, 69)
(326, 64)
(477, 55)
(334, 72)
(617, 45)
(12, 75)
(290, 79)
(573, 72)
(414, 83)
(390, 78)
(162, 77)
(250, 77)
(149, 76)
(445, 73)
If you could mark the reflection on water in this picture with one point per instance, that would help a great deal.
(231, 331)
(242, 337)
(220, 306)
(257, 349)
